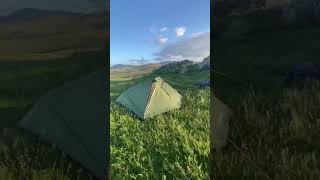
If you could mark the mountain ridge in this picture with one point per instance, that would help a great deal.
(29, 14)
(121, 71)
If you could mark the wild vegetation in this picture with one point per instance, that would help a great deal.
(273, 138)
(275, 130)
(23, 155)
(174, 145)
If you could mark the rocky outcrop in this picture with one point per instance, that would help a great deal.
(175, 67)
(205, 64)
(184, 66)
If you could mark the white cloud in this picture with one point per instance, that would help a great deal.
(180, 31)
(163, 40)
(194, 48)
(157, 37)
(163, 29)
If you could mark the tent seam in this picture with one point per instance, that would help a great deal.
(153, 87)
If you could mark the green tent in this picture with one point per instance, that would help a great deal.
(221, 115)
(150, 98)
(74, 118)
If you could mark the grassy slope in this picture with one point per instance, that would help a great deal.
(127, 73)
(22, 84)
(172, 145)
(277, 129)
(53, 37)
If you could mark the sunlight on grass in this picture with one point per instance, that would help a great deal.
(174, 145)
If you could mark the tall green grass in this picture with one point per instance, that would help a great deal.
(278, 137)
(174, 145)
(22, 156)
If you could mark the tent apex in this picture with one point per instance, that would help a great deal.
(158, 78)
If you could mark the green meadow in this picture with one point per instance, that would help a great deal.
(174, 145)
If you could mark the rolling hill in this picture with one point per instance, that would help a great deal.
(40, 34)
(119, 66)
(29, 14)
(126, 72)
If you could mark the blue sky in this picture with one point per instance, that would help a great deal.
(158, 29)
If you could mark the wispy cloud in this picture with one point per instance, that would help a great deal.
(180, 31)
(194, 48)
(163, 29)
(158, 37)
(139, 61)
(163, 40)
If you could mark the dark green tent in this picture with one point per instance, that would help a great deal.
(150, 98)
(74, 117)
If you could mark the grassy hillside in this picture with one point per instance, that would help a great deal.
(174, 145)
(274, 133)
(129, 72)
(23, 155)
(52, 37)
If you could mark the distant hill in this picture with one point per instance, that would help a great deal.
(205, 64)
(121, 72)
(165, 62)
(184, 66)
(32, 34)
(118, 66)
(29, 14)
(174, 67)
